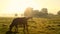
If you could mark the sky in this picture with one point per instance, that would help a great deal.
(9, 7)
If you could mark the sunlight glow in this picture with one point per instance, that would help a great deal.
(19, 6)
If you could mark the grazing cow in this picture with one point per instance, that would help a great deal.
(20, 21)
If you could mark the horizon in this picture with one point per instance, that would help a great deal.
(19, 6)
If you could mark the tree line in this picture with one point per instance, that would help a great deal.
(43, 13)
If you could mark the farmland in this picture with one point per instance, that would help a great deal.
(40, 26)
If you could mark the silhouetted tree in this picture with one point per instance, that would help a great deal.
(16, 14)
(51, 15)
(58, 12)
(43, 12)
(28, 12)
(36, 13)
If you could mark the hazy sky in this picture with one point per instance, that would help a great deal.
(18, 6)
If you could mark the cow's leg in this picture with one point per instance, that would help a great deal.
(24, 29)
(16, 28)
(27, 29)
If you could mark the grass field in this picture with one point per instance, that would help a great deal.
(40, 26)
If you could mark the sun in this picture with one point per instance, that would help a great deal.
(19, 6)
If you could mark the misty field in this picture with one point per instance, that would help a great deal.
(40, 26)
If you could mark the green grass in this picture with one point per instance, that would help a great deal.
(40, 26)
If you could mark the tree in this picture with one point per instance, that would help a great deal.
(43, 12)
(51, 15)
(28, 12)
(16, 14)
(36, 13)
(58, 12)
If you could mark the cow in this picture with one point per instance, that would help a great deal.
(20, 21)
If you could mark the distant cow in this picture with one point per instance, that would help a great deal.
(20, 21)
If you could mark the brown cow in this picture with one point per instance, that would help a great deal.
(20, 21)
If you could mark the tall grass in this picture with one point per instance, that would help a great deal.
(40, 26)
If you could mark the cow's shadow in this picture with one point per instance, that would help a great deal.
(10, 32)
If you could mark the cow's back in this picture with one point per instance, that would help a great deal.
(20, 21)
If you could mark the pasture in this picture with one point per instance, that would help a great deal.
(40, 26)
